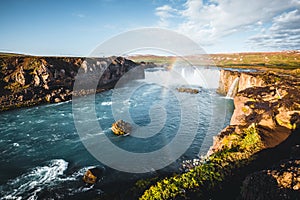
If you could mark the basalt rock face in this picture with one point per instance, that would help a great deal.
(274, 108)
(246, 80)
(253, 79)
(28, 80)
(226, 80)
(271, 103)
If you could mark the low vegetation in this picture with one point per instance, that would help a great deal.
(274, 60)
(237, 151)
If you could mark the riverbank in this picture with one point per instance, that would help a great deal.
(26, 81)
(264, 130)
(263, 134)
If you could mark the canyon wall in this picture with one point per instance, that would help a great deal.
(29, 80)
(264, 98)
(246, 80)
(263, 131)
(253, 79)
(270, 102)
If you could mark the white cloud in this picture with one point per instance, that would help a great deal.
(209, 21)
(290, 20)
(165, 13)
(283, 34)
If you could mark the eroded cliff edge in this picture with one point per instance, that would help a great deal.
(31, 80)
(270, 102)
(261, 145)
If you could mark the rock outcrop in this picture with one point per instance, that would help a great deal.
(246, 80)
(121, 127)
(253, 79)
(280, 182)
(92, 175)
(271, 102)
(264, 127)
(267, 106)
(188, 90)
(226, 80)
(268, 100)
(29, 80)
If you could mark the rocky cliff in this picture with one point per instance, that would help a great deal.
(263, 131)
(253, 79)
(270, 102)
(264, 98)
(29, 80)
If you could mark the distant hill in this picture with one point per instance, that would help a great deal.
(3, 54)
(274, 60)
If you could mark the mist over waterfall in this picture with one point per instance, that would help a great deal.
(206, 77)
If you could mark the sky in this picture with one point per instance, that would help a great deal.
(65, 27)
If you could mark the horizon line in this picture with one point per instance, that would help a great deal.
(135, 55)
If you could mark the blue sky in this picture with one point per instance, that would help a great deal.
(52, 27)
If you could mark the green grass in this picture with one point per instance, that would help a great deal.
(160, 60)
(209, 175)
(272, 60)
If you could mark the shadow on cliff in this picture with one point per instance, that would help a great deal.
(262, 160)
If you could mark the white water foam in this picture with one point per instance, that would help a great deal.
(35, 180)
(55, 104)
(106, 103)
(16, 144)
(30, 184)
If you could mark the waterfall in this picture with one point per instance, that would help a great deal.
(199, 76)
(233, 88)
(183, 72)
(192, 76)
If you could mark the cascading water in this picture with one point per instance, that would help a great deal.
(200, 76)
(187, 75)
(233, 88)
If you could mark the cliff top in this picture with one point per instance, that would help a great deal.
(282, 62)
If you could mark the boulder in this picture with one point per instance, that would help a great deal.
(92, 175)
(121, 127)
(188, 90)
